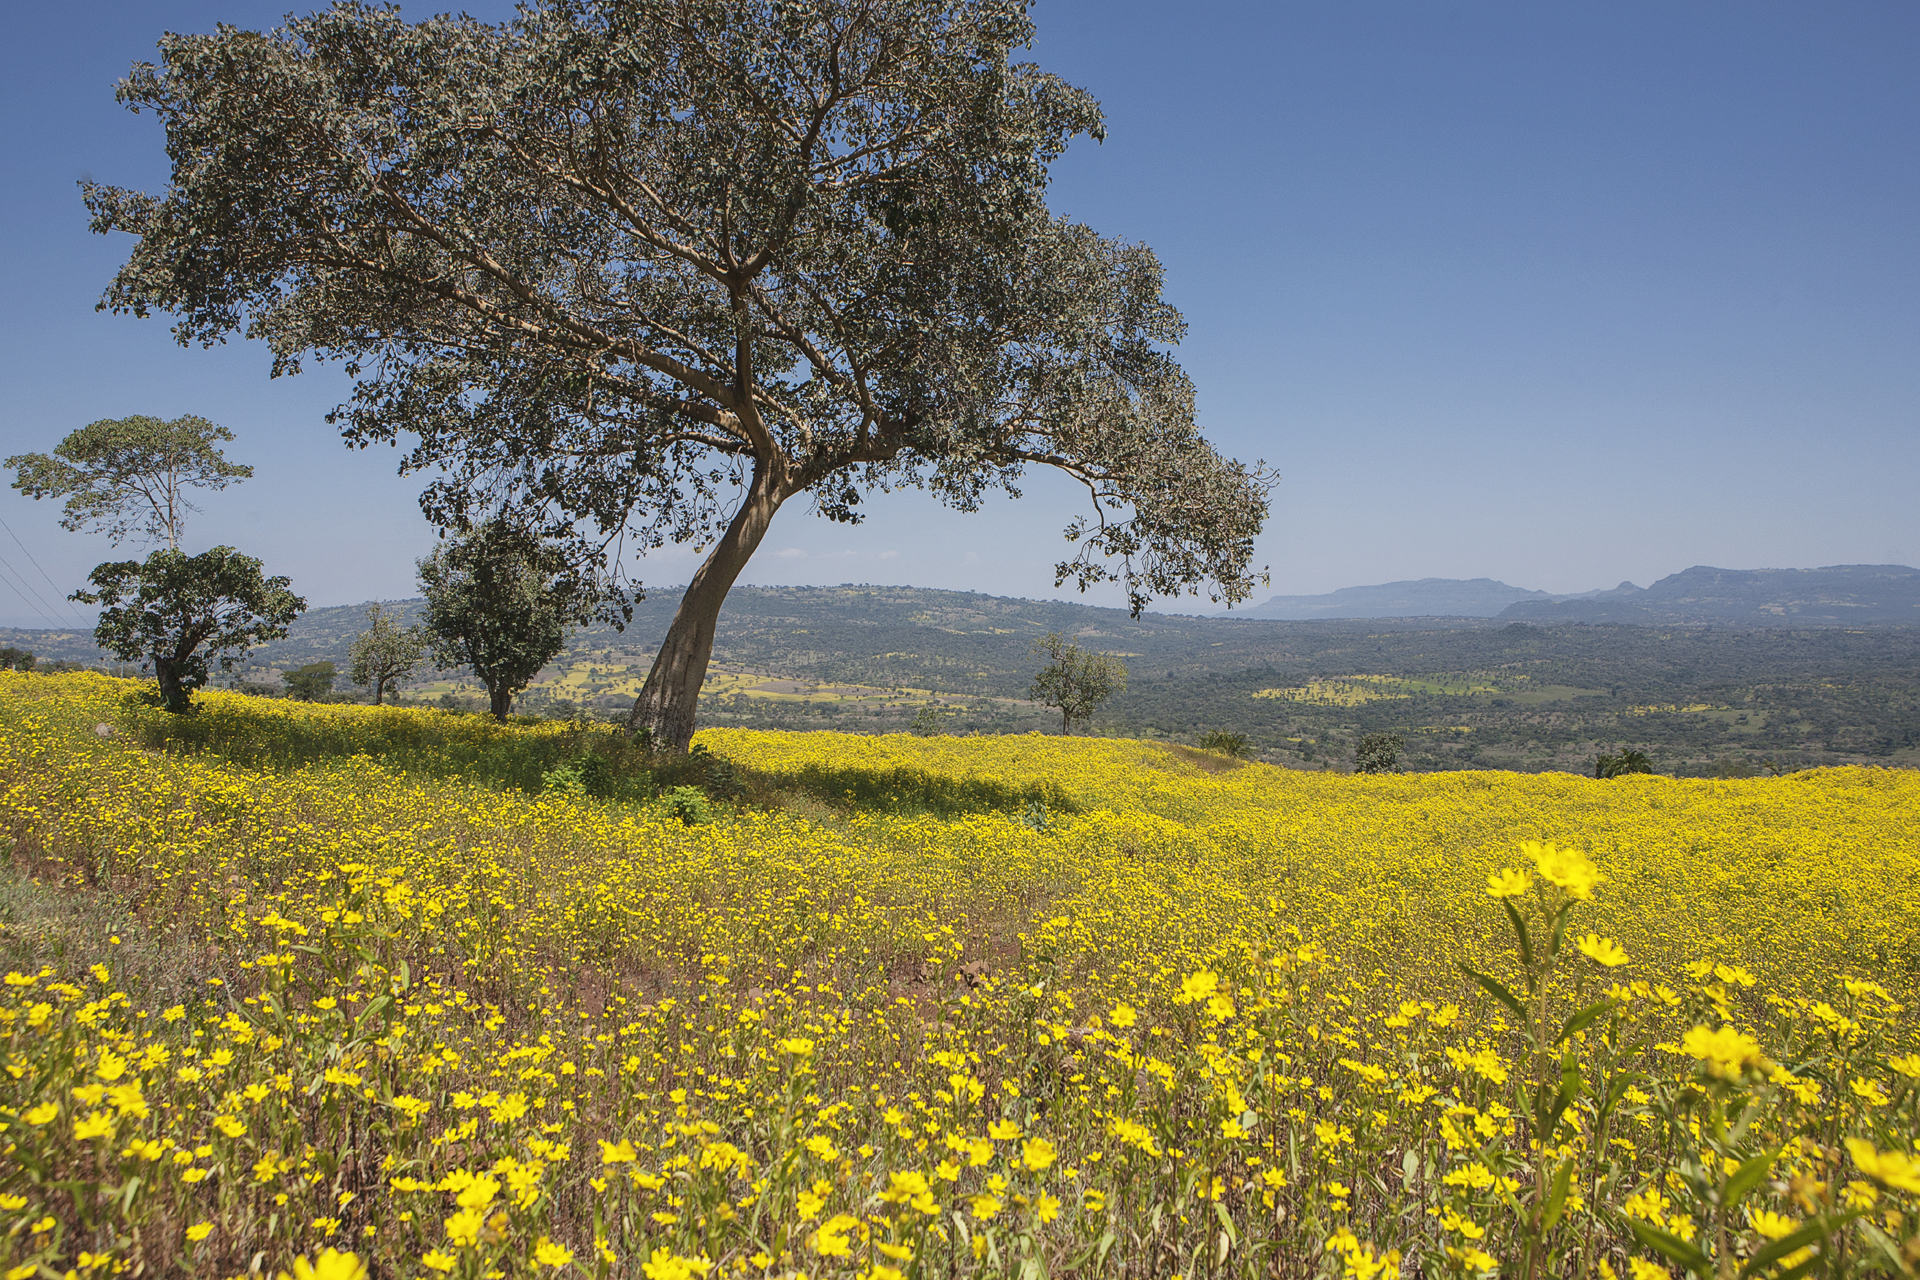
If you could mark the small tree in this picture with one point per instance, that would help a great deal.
(128, 477)
(311, 683)
(1622, 762)
(1378, 753)
(1225, 742)
(12, 659)
(1075, 680)
(180, 613)
(498, 603)
(385, 653)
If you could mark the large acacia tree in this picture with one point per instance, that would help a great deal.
(631, 272)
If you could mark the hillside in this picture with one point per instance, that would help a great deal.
(1420, 598)
(1466, 693)
(864, 1000)
(1847, 595)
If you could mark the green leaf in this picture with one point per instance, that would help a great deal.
(1817, 1229)
(1520, 930)
(1498, 992)
(1226, 1222)
(1746, 1178)
(1582, 1020)
(1560, 928)
(1571, 1086)
(1885, 1243)
(1672, 1246)
(1557, 1194)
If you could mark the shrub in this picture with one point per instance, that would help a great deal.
(1227, 744)
(1621, 763)
(689, 804)
(1378, 753)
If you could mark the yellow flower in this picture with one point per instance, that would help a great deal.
(330, 1265)
(1870, 1090)
(548, 1254)
(1198, 986)
(1773, 1226)
(1122, 1016)
(831, 1240)
(1725, 1053)
(666, 1265)
(45, 1113)
(1894, 1168)
(1602, 951)
(463, 1228)
(1641, 1269)
(822, 1148)
(438, 1261)
(1568, 868)
(621, 1152)
(1036, 1154)
(1003, 1130)
(1510, 883)
(199, 1231)
(97, 1125)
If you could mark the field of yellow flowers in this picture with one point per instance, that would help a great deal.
(1020, 1006)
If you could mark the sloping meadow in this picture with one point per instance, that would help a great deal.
(1021, 1005)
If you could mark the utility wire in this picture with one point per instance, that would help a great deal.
(43, 573)
(36, 594)
(23, 595)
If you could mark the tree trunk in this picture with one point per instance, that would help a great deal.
(500, 701)
(667, 703)
(173, 695)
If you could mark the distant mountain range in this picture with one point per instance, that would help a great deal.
(1874, 595)
(1420, 598)
(1842, 595)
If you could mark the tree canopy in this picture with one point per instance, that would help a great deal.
(499, 604)
(128, 477)
(180, 613)
(641, 271)
(385, 653)
(1075, 680)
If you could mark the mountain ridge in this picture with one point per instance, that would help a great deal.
(1843, 595)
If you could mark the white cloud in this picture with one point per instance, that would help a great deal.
(791, 553)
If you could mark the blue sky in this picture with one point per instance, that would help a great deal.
(1559, 294)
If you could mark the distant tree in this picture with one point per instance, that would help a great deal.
(500, 603)
(385, 653)
(311, 683)
(1225, 742)
(12, 659)
(927, 721)
(1075, 681)
(1620, 763)
(129, 477)
(179, 613)
(654, 270)
(1378, 753)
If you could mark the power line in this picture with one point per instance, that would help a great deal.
(36, 564)
(23, 595)
(30, 587)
